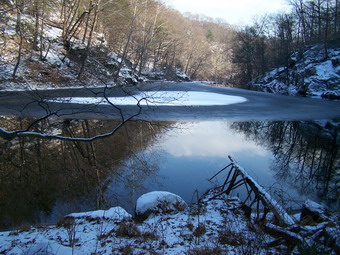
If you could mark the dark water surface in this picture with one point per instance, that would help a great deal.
(42, 180)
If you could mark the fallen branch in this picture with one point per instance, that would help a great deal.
(283, 218)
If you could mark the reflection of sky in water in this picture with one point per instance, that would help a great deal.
(185, 157)
(210, 139)
(193, 153)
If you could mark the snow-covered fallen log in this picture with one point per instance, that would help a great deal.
(284, 233)
(237, 177)
(280, 214)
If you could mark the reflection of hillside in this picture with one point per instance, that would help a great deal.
(36, 174)
(306, 154)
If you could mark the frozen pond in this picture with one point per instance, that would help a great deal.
(166, 102)
(180, 138)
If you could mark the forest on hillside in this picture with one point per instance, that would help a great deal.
(152, 37)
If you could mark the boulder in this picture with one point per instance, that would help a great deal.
(159, 202)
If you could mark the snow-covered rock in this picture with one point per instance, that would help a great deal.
(159, 201)
(181, 75)
(310, 73)
(168, 73)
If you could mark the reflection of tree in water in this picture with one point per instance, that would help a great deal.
(306, 154)
(36, 174)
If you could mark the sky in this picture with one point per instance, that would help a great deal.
(235, 12)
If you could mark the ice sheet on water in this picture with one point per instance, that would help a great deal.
(161, 98)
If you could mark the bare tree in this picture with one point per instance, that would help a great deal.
(19, 5)
(93, 21)
(70, 19)
(130, 31)
(149, 27)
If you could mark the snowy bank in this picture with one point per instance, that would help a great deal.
(310, 73)
(219, 226)
(216, 224)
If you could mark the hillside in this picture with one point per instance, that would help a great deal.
(69, 43)
(309, 73)
(55, 65)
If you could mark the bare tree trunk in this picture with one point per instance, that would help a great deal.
(127, 44)
(41, 33)
(20, 32)
(90, 39)
(186, 70)
(312, 20)
(336, 10)
(87, 22)
(319, 19)
(300, 11)
(199, 64)
(303, 22)
(69, 16)
(36, 28)
(326, 29)
(148, 37)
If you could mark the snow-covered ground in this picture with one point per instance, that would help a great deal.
(310, 74)
(214, 225)
(217, 227)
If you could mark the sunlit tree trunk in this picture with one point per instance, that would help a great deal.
(18, 5)
(89, 40)
(36, 26)
(129, 35)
